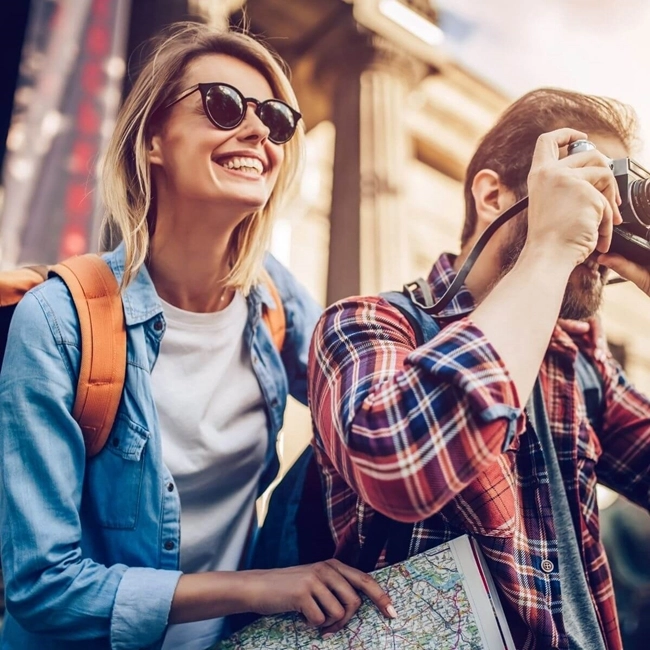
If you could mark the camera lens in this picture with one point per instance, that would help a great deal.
(640, 200)
(580, 145)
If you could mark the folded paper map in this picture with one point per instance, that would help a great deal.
(445, 599)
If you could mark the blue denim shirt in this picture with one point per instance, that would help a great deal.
(90, 547)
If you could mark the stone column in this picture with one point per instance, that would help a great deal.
(368, 237)
(215, 12)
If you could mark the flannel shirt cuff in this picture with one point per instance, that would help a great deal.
(462, 356)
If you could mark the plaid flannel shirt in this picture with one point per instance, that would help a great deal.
(436, 435)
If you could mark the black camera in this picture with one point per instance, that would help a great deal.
(632, 238)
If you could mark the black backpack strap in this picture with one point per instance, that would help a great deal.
(295, 529)
(384, 532)
(591, 384)
(423, 325)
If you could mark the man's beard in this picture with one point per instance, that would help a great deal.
(584, 292)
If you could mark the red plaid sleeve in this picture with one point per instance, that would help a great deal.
(408, 428)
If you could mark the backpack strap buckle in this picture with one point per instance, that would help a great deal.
(419, 287)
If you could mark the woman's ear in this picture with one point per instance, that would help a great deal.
(154, 150)
(491, 197)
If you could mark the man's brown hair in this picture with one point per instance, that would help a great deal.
(507, 148)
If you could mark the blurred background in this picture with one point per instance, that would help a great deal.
(395, 95)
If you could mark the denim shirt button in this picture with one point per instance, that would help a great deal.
(158, 325)
(274, 402)
(170, 487)
(169, 545)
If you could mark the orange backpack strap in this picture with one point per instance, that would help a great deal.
(102, 372)
(274, 318)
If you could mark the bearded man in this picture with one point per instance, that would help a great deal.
(438, 435)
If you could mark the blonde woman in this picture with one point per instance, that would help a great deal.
(139, 546)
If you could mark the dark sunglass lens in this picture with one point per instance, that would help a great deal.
(225, 106)
(279, 119)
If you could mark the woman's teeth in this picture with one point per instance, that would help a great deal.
(250, 165)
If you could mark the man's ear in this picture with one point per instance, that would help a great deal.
(491, 197)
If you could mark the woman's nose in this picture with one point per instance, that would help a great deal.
(253, 127)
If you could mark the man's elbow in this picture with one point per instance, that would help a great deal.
(397, 504)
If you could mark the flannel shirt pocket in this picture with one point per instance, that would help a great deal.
(588, 453)
(487, 506)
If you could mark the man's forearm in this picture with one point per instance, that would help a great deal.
(519, 314)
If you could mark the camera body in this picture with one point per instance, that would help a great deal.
(631, 239)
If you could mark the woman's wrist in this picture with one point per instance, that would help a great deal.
(202, 596)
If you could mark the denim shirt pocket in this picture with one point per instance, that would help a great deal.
(114, 476)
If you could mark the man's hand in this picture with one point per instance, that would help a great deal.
(628, 270)
(573, 201)
(574, 326)
(325, 593)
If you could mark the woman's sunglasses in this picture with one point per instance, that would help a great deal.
(226, 108)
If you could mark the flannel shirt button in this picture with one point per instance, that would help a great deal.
(547, 566)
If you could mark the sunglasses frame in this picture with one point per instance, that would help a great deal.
(204, 89)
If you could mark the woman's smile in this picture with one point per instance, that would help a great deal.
(244, 164)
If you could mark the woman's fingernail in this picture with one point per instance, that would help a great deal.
(391, 611)
(328, 635)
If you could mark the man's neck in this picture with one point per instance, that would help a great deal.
(485, 272)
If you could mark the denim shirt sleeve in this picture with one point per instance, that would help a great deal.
(302, 313)
(50, 587)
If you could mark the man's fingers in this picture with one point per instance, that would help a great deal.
(605, 227)
(591, 158)
(574, 326)
(549, 144)
(628, 270)
(603, 180)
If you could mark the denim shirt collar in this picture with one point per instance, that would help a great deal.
(261, 294)
(141, 301)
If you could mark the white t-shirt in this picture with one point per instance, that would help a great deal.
(214, 440)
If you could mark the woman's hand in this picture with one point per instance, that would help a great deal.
(628, 270)
(325, 593)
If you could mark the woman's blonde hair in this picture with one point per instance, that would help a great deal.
(127, 188)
